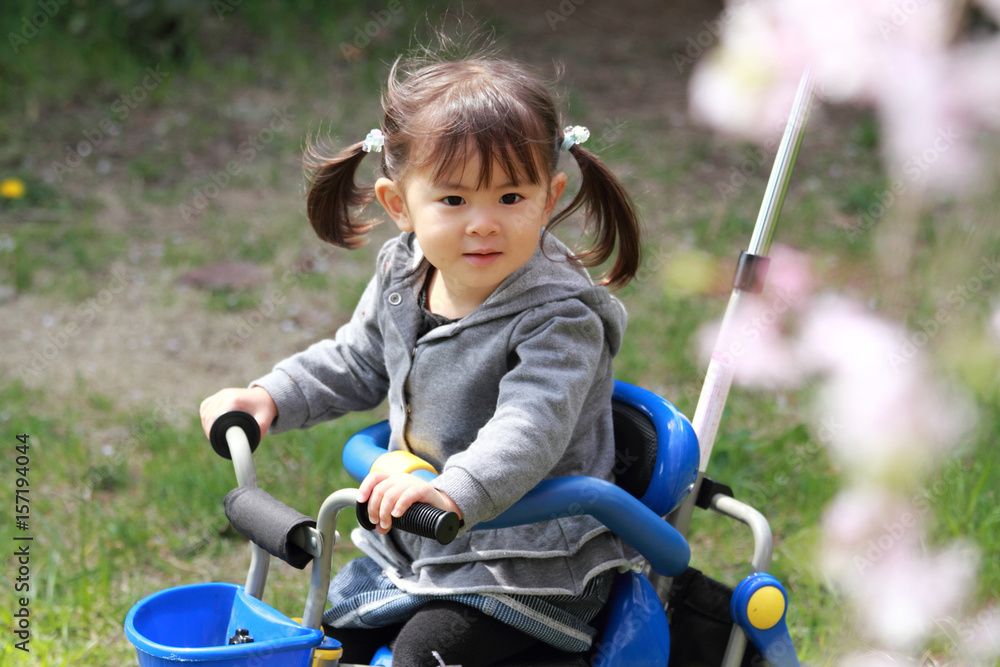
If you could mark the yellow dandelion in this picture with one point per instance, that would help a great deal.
(12, 188)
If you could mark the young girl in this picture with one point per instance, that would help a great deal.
(493, 346)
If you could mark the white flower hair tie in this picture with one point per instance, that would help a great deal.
(374, 141)
(574, 134)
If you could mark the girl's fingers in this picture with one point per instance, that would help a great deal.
(405, 501)
(390, 496)
(368, 485)
(391, 489)
(256, 401)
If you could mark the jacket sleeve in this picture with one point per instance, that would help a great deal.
(334, 376)
(557, 359)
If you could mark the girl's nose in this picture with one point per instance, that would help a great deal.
(483, 223)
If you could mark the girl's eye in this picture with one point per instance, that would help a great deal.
(511, 198)
(453, 200)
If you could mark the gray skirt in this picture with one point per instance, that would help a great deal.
(362, 596)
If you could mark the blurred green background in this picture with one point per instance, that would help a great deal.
(143, 143)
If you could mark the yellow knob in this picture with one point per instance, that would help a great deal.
(326, 656)
(401, 461)
(766, 607)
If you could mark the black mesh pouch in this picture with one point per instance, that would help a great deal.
(700, 623)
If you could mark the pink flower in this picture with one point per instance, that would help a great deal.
(756, 344)
(931, 97)
(872, 550)
(790, 273)
(905, 595)
(753, 345)
(891, 417)
(877, 659)
(980, 635)
(861, 526)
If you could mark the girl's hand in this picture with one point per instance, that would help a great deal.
(255, 400)
(390, 496)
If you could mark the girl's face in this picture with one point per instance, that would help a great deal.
(474, 235)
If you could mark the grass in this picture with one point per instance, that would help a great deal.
(126, 494)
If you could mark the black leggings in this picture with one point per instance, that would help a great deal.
(461, 635)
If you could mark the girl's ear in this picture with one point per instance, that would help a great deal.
(390, 196)
(556, 188)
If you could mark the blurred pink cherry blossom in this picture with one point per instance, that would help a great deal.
(860, 526)
(893, 421)
(892, 418)
(790, 273)
(980, 635)
(907, 592)
(877, 659)
(933, 96)
(872, 549)
(756, 344)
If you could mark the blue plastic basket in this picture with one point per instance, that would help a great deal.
(194, 623)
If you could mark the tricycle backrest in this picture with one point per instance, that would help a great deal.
(656, 448)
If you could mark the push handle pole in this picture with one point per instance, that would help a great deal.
(781, 173)
(719, 377)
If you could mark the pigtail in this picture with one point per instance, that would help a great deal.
(333, 194)
(609, 206)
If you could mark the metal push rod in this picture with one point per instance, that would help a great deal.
(719, 377)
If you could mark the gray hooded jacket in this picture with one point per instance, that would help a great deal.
(516, 392)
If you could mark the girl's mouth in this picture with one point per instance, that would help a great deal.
(482, 258)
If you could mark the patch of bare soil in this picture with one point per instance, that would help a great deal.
(150, 342)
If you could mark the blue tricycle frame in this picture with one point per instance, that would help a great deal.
(195, 623)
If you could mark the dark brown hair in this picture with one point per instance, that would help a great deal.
(436, 113)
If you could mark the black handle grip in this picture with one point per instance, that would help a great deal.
(421, 519)
(217, 436)
(268, 523)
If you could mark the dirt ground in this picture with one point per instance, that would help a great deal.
(147, 342)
